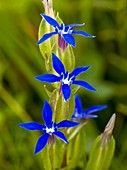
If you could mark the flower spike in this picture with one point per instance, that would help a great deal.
(50, 128)
(64, 33)
(65, 78)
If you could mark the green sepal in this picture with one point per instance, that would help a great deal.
(69, 59)
(64, 109)
(58, 154)
(45, 47)
(52, 155)
(76, 146)
(74, 90)
(53, 101)
(47, 91)
(100, 157)
(74, 131)
(71, 106)
(46, 159)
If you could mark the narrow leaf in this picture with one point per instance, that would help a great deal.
(100, 157)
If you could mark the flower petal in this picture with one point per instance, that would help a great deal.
(76, 25)
(57, 64)
(66, 91)
(76, 115)
(41, 143)
(82, 33)
(78, 104)
(61, 136)
(94, 109)
(47, 114)
(89, 116)
(79, 70)
(45, 37)
(67, 124)
(69, 39)
(49, 78)
(50, 20)
(31, 126)
(84, 84)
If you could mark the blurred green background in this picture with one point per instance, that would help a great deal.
(21, 97)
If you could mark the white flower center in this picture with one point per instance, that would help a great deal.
(77, 114)
(66, 81)
(64, 30)
(50, 130)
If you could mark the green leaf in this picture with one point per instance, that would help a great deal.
(100, 157)
(109, 154)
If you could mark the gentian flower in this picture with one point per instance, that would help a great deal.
(65, 78)
(50, 128)
(79, 113)
(64, 33)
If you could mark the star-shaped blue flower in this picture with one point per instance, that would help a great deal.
(79, 113)
(50, 128)
(64, 31)
(65, 78)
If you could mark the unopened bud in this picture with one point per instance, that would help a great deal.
(106, 136)
(48, 7)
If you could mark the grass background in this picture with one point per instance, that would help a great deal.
(21, 97)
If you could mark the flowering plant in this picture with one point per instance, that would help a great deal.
(64, 109)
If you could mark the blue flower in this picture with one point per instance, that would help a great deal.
(65, 78)
(50, 128)
(64, 32)
(79, 113)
